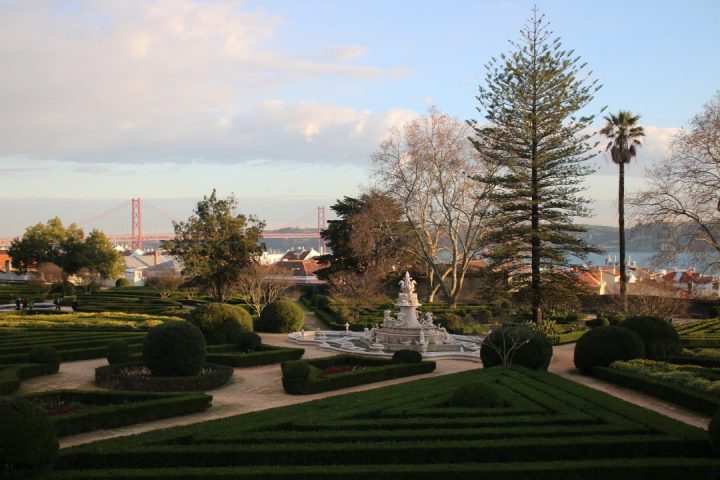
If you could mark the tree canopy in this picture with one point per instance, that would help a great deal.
(67, 248)
(215, 244)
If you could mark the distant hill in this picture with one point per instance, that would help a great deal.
(644, 238)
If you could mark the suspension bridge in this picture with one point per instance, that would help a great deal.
(136, 221)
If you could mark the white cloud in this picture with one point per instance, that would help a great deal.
(168, 80)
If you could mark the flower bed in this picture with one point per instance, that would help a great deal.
(137, 377)
(77, 411)
(308, 376)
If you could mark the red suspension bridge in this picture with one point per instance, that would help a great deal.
(136, 221)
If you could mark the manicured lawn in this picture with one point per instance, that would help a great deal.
(548, 428)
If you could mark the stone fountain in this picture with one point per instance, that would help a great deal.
(409, 330)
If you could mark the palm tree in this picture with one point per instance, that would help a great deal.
(625, 135)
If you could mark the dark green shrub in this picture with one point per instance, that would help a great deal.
(281, 317)
(714, 433)
(295, 370)
(118, 351)
(407, 356)
(660, 338)
(598, 322)
(535, 352)
(122, 282)
(221, 323)
(613, 317)
(475, 395)
(174, 349)
(484, 315)
(321, 301)
(46, 355)
(451, 321)
(601, 346)
(248, 341)
(28, 441)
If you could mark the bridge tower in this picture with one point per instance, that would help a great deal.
(136, 221)
(321, 225)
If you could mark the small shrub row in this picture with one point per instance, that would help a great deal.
(117, 409)
(263, 355)
(304, 376)
(12, 375)
(135, 376)
(678, 394)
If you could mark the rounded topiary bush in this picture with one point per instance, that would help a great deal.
(248, 341)
(281, 317)
(601, 346)
(46, 355)
(122, 282)
(118, 351)
(407, 356)
(451, 321)
(660, 338)
(535, 352)
(221, 323)
(475, 395)
(174, 349)
(598, 322)
(714, 432)
(28, 441)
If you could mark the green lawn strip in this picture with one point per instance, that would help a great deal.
(687, 397)
(563, 338)
(117, 409)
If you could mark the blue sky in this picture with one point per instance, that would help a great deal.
(282, 102)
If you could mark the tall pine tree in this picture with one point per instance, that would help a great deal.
(536, 134)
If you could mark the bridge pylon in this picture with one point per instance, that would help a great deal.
(136, 221)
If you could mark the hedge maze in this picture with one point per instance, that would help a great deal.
(70, 344)
(701, 333)
(546, 427)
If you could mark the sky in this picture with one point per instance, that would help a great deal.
(282, 102)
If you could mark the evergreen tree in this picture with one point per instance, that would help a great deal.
(215, 244)
(535, 132)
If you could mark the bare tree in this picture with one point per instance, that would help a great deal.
(429, 166)
(259, 285)
(356, 291)
(684, 188)
(49, 272)
(506, 342)
(165, 283)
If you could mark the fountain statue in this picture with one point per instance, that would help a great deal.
(409, 330)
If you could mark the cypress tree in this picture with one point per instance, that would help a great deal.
(536, 133)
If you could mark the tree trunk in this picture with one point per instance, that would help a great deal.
(621, 231)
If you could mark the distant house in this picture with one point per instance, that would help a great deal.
(294, 255)
(594, 279)
(693, 284)
(298, 271)
(139, 266)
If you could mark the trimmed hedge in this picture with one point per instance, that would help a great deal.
(660, 337)
(118, 409)
(136, 377)
(221, 323)
(407, 356)
(12, 375)
(601, 346)
(28, 442)
(118, 351)
(45, 355)
(475, 395)
(678, 394)
(372, 370)
(535, 354)
(263, 355)
(281, 317)
(174, 349)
